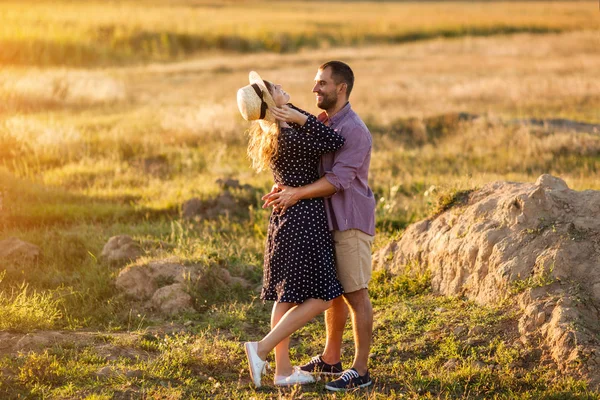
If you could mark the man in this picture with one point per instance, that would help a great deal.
(350, 207)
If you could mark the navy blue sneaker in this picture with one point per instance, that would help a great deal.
(350, 379)
(317, 366)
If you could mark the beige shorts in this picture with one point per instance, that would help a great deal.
(353, 259)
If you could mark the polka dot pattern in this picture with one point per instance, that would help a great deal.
(299, 258)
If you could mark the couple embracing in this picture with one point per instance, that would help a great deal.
(318, 251)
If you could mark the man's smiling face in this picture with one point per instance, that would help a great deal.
(325, 89)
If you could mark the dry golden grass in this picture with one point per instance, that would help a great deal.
(186, 113)
(66, 32)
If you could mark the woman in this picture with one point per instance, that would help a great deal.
(299, 271)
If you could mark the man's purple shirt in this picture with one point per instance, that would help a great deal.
(353, 204)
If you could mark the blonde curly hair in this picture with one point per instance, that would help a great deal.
(263, 140)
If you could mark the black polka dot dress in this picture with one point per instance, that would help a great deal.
(299, 259)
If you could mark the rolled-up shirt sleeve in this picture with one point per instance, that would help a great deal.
(348, 160)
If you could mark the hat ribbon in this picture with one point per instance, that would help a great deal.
(263, 105)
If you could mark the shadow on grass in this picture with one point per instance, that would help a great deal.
(25, 204)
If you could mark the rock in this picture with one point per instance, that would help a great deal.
(161, 284)
(106, 372)
(538, 243)
(472, 341)
(171, 271)
(35, 341)
(136, 281)
(459, 330)
(191, 208)
(140, 281)
(225, 276)
(540, 319)
(223, 204)
(551, 182)
(121, 249)
(18, 251)
(172, 299)
(111, 352)
(451, 364)
(233, 199)
(134, 373)
(476, 330)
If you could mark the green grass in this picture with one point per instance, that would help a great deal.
(415, 336)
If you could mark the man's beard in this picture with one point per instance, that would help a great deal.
(328, 101)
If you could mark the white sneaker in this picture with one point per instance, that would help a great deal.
(256, 364)
(298, 377)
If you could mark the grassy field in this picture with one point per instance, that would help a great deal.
(97, 142)
(92, 33)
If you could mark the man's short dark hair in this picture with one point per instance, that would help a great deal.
(341, 73)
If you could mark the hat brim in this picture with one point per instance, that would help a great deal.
(254, 77)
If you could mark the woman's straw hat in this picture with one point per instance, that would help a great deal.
(254, 100)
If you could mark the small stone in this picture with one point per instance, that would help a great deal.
(136, 282)
(451, 364)
(225, 276)
(514, 365)
(476, 330)
(33, 341)
(134, 373)
(172, 299)
(551, 182)
(472, 341)
(459, 330)
(106, 372)
(121, 249)
(540, 319)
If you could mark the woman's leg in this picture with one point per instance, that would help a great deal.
(292, 320)
(283, 365)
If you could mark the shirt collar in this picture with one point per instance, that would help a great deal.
(337, 117)
(340, 114)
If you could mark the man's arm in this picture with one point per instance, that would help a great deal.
(287, 196)
(348, 160)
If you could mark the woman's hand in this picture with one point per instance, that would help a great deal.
(281, 197)
(286, 113)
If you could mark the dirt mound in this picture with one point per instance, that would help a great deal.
(234, 199)
(535, 245)
(16, 250)
(165, 285)
(121, 249)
